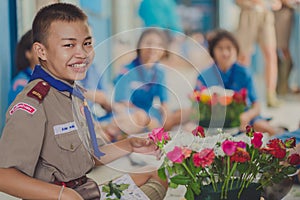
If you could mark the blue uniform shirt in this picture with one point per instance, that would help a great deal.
(18, 83)
(235, 78)
(139, 85)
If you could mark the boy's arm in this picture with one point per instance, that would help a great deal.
(17, 184)
(121, 148)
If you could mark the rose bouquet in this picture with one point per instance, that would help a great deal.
(222, 161)
(217, 105)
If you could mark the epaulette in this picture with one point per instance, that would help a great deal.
(39, 91)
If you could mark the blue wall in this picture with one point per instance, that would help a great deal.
(7, 40)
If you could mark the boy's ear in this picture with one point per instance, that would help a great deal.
(40, 50)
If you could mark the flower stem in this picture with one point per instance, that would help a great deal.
(212, 178)
(189, 172)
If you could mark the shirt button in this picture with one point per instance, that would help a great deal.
(71, 146)
(44, 83)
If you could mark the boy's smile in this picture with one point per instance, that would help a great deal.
(69, 50)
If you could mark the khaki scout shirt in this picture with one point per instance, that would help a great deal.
(43, 140)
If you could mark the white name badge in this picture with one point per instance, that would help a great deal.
(64, 128)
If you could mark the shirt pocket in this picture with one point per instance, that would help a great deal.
(68, 141)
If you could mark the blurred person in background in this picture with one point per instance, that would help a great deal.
(256, 24)
(283, 26)
(25, 60)
(228, 73)
(111, 117)
(143, 80)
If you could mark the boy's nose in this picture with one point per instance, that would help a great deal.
(81, 52)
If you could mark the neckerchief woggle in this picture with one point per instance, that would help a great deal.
(39, 73)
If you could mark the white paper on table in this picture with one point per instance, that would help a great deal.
(133, 192)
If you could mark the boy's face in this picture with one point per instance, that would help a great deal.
(69, 50)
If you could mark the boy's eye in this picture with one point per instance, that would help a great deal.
(68, 45)
(89, 43)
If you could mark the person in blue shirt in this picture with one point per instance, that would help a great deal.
(112, 118)
(226, 72)
(25, 60)
(143, 80)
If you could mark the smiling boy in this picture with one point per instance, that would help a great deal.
(47, 146)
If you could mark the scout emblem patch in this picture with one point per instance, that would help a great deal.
(23, 106)
(39, 91)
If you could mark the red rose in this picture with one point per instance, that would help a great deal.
(276, 144)
(294, 159)
(240, 156)
(199, 131)
(257, 140)
(204, 158)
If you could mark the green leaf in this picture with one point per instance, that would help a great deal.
(105, 189)
(179, 169)
(123, 187)
(162, 174)
(181, 179)
(170, 170)
(289, 170)
(173, 185)
(189, 195)
(195, 187)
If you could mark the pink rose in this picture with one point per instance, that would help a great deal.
(176, 155)
(241, 144)
(159, 135)
(229, 147)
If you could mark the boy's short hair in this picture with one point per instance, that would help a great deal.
(54, 12)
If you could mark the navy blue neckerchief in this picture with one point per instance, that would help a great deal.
(39, 73)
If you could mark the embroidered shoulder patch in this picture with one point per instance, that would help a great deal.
(39, 91)
(22, 106)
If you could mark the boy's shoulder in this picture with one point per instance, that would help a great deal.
(30, 98)
(39, 90)
(36, 89)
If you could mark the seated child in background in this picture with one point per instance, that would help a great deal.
(25, 59)
(226, 72)
(142, 80)
(112, 118)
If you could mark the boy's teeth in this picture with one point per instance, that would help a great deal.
(79, 65)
